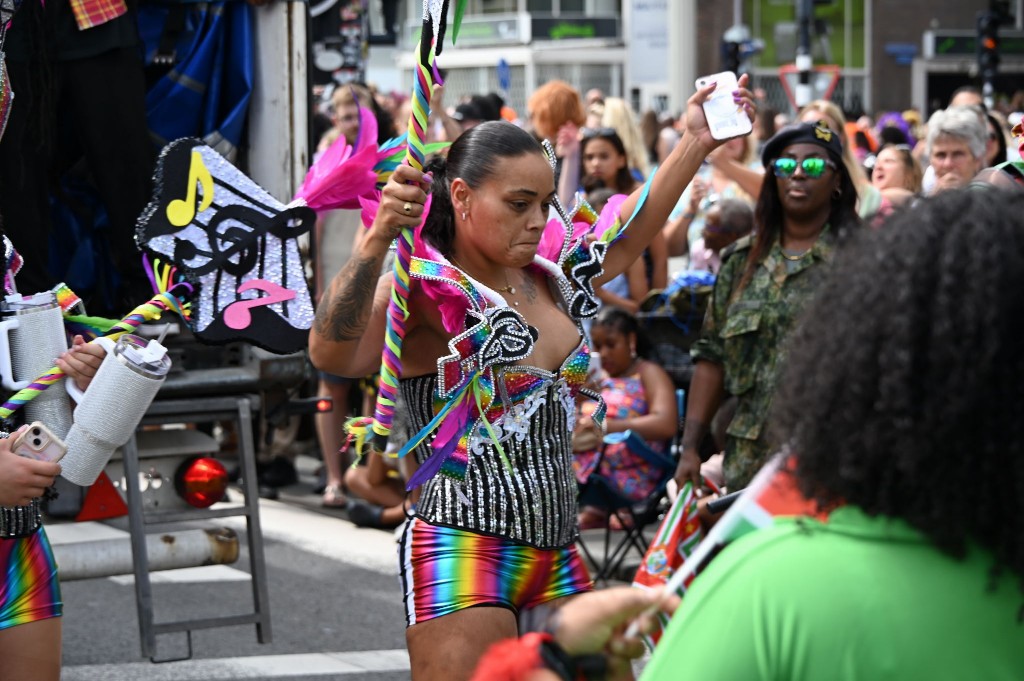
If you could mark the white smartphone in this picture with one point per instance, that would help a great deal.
(725, 117)
(38, 442)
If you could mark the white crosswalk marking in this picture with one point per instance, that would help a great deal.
(297, 666)
(326, 536)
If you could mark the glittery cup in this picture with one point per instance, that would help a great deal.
(111, 408)
(36, 341)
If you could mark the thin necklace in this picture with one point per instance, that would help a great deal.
(507, 288)
(794, 258)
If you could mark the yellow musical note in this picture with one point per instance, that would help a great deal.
(181, 211)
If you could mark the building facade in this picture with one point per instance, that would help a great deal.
(885, 54)
(512, 46)
(891, 54)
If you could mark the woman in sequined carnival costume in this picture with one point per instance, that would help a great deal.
(495, 522)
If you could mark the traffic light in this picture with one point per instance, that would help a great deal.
(988, 44)
(730, 56)
(738, 48)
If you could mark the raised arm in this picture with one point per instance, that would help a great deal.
(676, 231)
(567, 148)
(669, 182)
(748, 180)
(348, 331)
(451, 127)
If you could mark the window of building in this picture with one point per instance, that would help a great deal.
(556, 6)
(494, 6)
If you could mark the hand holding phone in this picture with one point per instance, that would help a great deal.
(726, 118)
(38, 442)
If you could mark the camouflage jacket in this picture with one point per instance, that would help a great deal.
(746, 335)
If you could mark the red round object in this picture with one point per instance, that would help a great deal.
(323, 405)
(203, 482)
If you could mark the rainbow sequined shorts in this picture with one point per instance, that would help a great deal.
(445, 570)
(29, 591)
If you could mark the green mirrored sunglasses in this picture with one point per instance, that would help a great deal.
(813, 167)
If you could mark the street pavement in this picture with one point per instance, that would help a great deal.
(335, 605)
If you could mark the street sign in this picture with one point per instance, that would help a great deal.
(504, 75)
(823, 81)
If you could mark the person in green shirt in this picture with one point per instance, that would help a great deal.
(807, 204)
(901, 401)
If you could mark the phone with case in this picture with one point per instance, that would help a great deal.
(725, 117)
(38, 442)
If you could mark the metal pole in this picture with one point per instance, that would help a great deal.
(169, 551)
(804, 94)
(682, 41)
(137, 529)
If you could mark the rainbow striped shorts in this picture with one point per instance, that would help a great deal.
(30, 590)
(445, 569)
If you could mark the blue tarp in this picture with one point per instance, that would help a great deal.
(207, 93)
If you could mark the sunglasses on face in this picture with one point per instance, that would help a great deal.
(599, 132)
(813, 167)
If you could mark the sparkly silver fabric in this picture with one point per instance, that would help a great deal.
(278, 259)
(20, 521)
(533, 503)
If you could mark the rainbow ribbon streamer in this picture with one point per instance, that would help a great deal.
(398, 307)
(151, 309)
(431, 41)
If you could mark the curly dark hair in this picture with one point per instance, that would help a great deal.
(903, 387)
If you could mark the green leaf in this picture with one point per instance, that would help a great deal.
(460, 9)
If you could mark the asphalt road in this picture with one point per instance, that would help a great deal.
(335, 605)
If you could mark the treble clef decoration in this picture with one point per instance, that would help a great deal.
(234, 241)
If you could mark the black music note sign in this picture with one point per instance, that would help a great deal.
(235, 242)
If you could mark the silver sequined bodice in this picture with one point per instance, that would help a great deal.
(533, 503)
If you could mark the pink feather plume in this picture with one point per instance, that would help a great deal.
(344, 173)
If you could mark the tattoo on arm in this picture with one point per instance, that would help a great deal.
(344, 310)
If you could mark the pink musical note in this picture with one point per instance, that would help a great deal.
(237, 315)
